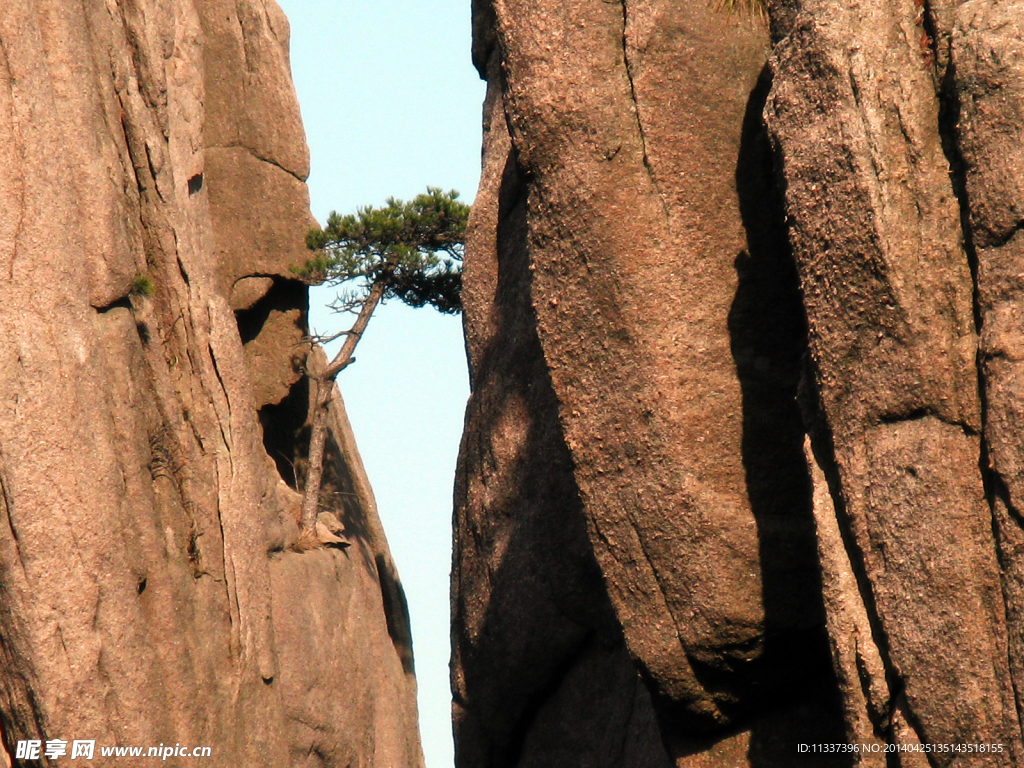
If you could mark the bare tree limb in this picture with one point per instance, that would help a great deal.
(324, 384)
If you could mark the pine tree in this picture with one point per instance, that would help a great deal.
(410, 251)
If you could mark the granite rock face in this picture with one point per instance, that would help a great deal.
(988, 45)
(888, 293)
(151, 441)
(733, 461)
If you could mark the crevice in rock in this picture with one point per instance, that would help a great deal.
(924, 412)
(182, 270)
(949, 117)
(900, 705)
(286, 433)
(897, 418)
(930, 27)
(122, 303)
(822, 443)
(819, 430)
(283, 295)
(628, 65)
(131, 39)
(130, 132)
(768, 341)
(262, 158)
(1000, 491)
(396, 613)
(154, 172)
(224, 428)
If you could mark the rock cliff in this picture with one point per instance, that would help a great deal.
(152, 407)
(737, 474)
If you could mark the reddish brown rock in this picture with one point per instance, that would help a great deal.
(146, 591)
(988, 58)
(620, 238)
(538, 658)
(627, 225)
(630, 219)
(887, 288)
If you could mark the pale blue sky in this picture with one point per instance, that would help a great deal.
(391, 104)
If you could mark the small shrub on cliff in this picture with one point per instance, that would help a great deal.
(409, 251)
(143, 285)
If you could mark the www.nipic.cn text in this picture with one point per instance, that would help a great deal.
(85, 749)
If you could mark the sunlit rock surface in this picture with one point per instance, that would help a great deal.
(152, 200)
(735, 476)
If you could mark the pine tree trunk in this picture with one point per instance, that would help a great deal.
(324, 382)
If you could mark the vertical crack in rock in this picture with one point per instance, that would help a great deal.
(985, 85)
(627, 62)
(888, 292)
(948, 120)
(868, 682)
(224, 390)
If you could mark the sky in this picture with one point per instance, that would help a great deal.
(391, 104)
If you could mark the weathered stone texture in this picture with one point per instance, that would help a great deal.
(537, 646)
(655, 423)
(146, 591)
(988, 60)
(887, 289)
(722, 261)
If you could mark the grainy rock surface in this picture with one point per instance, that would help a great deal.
(538, 646)
(724, 290)
(988, 51)
(150, 445)
(633, 438)
(875, 229)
